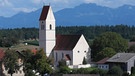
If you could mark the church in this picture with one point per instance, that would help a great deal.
(72, 48)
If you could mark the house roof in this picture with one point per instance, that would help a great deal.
(121, 57)
(1, 54)
(66, 42)
(102, 61)
(130, 44)
(44, 13)
(34, 51)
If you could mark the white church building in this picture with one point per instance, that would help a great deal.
(72, 48)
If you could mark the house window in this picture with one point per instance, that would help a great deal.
(50, 26)
(106, 66)
(56, 57)
(42, 27)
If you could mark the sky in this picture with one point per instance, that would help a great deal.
(9, 8)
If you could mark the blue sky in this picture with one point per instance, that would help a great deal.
(11, 7)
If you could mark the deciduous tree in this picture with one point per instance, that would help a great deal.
(10, 61)
(111, 40)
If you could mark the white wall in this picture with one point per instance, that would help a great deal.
(80, 51)
(47, 36)
(103, 66)
(59, 55)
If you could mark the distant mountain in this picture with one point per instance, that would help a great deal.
(84, 14)
(92, 14)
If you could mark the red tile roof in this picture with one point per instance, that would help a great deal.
(103, 60)
(44, 13)
(1, 54)
(34, 51)
(66, 42)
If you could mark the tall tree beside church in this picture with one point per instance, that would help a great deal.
(110, 40)
(10, 61)
(42, 63)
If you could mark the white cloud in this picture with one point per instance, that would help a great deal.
(36, 1)
(24, 9)
(5, 3)
(111, 3)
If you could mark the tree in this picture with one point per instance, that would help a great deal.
(115, 71)
(64, 70)
(62, 63)
(10, 61)
(28, 63)
(110, 40)
(106, 52)
(132, 71)
(84, 61)
(42, 63)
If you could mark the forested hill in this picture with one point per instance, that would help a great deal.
(90, 32)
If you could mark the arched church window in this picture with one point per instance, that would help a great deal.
(50, 26)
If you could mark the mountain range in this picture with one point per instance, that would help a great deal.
(81, 15)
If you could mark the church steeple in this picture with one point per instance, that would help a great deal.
(47, 30)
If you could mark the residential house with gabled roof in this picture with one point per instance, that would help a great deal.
(124, 60)
(102, 64)
(72, 48)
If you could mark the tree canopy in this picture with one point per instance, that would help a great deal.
(10, 61)
(110, 40)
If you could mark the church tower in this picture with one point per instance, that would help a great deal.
(47, 30)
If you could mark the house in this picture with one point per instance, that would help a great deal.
(102, 64)
(124, 60)
(72, 48)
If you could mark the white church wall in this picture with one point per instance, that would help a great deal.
(80, 51)
(58, 55)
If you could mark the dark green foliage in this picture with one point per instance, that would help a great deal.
(132, 70)
(131, 49)
(10, 61)
(62, 63)
(125, 74)
(90, 32)
(42, 65)
(90, 70)
(84, 61)
(116, 71)
(64, 70)
(29, 73)
(110, 40)
(33, 42)
(132, 39)
(99, 71)
(106, 52)
(10, 37)
(38, 62)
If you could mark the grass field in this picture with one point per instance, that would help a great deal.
(31, 44)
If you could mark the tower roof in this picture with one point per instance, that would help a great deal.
(44, 13)
(66, 42)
